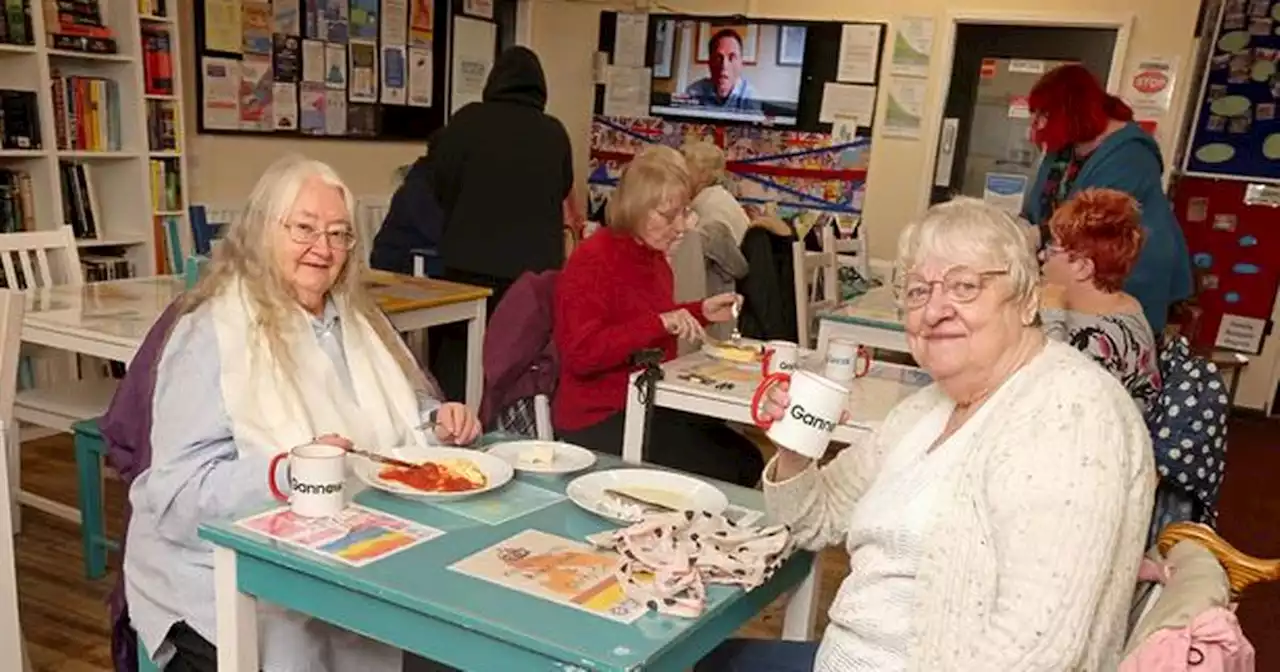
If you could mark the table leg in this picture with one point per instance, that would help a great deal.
(237, 617)
(92, 526)
(633, 427)
(475, 354)
(802, 610)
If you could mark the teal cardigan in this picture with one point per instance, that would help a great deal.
(1129, 160)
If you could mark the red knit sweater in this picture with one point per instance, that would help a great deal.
(608, 299)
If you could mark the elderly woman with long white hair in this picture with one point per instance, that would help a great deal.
(996, 519)
(279, 344)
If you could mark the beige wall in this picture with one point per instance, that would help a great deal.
(896, 188)
(223, 168)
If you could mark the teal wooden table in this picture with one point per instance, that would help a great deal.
(412, 601)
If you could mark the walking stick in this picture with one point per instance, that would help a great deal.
(646, 383)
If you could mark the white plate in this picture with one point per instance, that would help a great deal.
(497, 472)
(567, 459)
(587, 491)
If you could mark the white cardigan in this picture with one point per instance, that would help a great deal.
(1032, 565)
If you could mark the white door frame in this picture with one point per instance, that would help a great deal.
(524, 23)
(1122, 22)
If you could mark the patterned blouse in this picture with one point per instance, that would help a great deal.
(1122, 343)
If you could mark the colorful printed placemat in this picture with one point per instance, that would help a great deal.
(509, 502)
(357, 537)
(557, 569)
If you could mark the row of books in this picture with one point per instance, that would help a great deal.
(19, 120)
(17, 202)
(157, 60)
(15, 23)
(86, 112)
(166, 185)
(153, 7)
(164, 129)
(79, 204)
(78, 25)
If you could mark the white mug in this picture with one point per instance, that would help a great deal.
(811, 416)
(780, 357)
(317, 480)
(846, 360)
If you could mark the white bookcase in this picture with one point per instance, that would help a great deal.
(120, 181)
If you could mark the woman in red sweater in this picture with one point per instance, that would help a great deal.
(613, 299)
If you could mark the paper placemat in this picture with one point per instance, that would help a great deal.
(506, 503)
(357, 537)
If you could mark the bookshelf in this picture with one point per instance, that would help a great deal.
(110, 158)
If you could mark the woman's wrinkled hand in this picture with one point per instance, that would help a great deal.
(720, 308)
(681, 324)
(456, 424)
(335, 440)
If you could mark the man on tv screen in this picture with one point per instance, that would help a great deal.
(726, 88)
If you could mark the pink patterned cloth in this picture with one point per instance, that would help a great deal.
(1213, 642)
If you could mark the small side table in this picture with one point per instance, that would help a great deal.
(1232, 363)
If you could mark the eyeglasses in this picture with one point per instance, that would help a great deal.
(307, 234)
(684, 214)
(960, 284)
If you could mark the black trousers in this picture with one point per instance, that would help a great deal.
(195, 654)
(692, 443)
(447, 343)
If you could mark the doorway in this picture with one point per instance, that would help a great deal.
(984, 149)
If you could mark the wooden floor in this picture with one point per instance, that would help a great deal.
(64, 615)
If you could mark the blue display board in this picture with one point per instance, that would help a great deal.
(1237, 130)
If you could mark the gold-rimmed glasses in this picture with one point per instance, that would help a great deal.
(339, 238)
(960, 284)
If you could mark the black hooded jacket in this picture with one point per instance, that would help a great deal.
(414, 220)
(502, 169)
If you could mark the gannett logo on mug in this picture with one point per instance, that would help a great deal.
(314, 489)
(811, 420)
(787, 366)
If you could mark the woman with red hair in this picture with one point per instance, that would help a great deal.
(1094, 241)
(1090, 140)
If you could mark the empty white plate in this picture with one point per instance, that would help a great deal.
(676, 490)
(566, 458)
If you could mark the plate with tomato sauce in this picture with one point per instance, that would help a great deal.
(440, 473)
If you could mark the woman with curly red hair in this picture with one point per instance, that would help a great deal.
(1090, 140)
(1094, 241)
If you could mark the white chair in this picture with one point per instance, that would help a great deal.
(815, 273)
(12, 647)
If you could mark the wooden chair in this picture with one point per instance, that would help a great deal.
(1242, 569)
(815, 272)
(12, 647)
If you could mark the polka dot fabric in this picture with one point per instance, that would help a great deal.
(1189, 435)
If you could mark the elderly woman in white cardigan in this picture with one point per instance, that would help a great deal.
(996, 519)
(277, 345)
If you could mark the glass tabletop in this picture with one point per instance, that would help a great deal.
(876, 308)
(420, 578)
(116, 309)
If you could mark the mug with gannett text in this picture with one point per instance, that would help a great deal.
(811, 415)
(317, 480)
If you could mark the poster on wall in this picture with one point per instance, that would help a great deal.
(1236, 132)
(912, 47)
(474, 47)
(1149, 88)
(220, 81)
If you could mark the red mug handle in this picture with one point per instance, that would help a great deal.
(863, 356)
(757, 400)
(271, 477)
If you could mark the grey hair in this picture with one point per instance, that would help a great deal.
(968, 231)
(706, 163)
(246, 253)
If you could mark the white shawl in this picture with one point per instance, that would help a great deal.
(269, 413)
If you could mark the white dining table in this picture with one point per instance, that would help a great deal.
(871, 319)
(697, 383)
(110, 319)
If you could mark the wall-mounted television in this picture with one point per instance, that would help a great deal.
(744, 72)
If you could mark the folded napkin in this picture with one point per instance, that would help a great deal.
(669, 558)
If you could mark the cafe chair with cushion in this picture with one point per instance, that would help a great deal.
(521, 368)
(1183, 614)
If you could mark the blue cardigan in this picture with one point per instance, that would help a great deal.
(1129, 160)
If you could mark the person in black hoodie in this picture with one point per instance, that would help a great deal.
(502, 171)
(414, 219)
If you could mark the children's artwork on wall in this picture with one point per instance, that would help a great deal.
(799, 171)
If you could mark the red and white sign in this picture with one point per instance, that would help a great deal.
(1149, 88)
(1019, 107)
